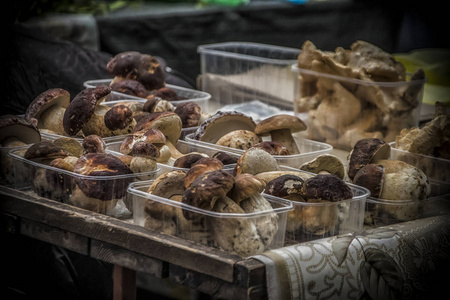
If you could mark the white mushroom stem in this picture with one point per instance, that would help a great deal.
(284, 136)
(175, 152)
(52, 119)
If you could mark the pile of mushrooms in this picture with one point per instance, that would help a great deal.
(73, 166)
(14, 132)
(238, 131)
(340, 111)
(401, 184)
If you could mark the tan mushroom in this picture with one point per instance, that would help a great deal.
(255, 161)
(239, 139)
(280, 128)
(325, 163)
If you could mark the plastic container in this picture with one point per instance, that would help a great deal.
(199, 97)
(351, 114)
(204, 230)
(381, 212)
(240, 72)
(308, 150)
(312, 221)
(106, 193)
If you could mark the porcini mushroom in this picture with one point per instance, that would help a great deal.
(134, 65)
(144, 158)
(156, 104)
(280, 127)
(190, 114)
(93, 144)
(119, 117)
(203, 165)
(130, 87)
(225, 158)
(186, 161)
(274, 148)
(254, 161)
(48, 110)
(71, 145)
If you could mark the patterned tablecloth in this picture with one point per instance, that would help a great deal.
(409, 260)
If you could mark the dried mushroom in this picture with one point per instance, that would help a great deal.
(339, 88)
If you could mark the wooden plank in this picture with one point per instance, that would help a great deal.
(250, 272)
(9, 223)
(125, 258)
(103, 228)
(55, 236)
(124, 283)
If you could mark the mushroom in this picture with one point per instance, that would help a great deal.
(100, 195)
(44, 152)
(55, 185)
(166, 93)
(220, 124)
(396, 181)
(274, 148)
(280, 127)
(203, 165)
(151, 135)
(134, 65)
(144, 159)
(48, 110)
(239, 139)
(169, 123)
(130, 87)
(366, 151)
(190, 114)
(93, 144)
(225, 158)
(71, 145)
(271, 175)
(157, 104)
(254, 161)
(119, 117)
(86, 114)
(14, 132)
(325, 163)
(186, 161)
(322, 188)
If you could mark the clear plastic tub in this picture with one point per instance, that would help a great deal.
(204, 230)
(240, 72)
(309, 149)
(199, 97)
(311, 221)
(357, 108)
(102, 194)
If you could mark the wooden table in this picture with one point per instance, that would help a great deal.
(131, 248)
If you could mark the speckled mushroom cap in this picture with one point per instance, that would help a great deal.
(142, 67)
(167, 122)
(285, 186)
(220, 124)
(190, 113)
(145, 149)
(239, 139)
(277, 122)
(93, 144)
(118, 117)
(186, 161)
(273, 147)
(46, 100)
(254, 161)
(20, 128)
(166, 93)
(367, 151)
(244, 186)
(326, 187)
(203, 165)
(82, 108)
(102, 165)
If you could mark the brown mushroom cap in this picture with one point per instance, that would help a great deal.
(102, 164)
(244, 186)
(142, 67)
(367, 151)
(220, 124)
(71, 145)
(82, 108)
(280, 122)
(166, 93)
(273, 147)
(151, 135)
(371, 177)
(46, 100)
(325, 163)
(186, 161)
(118, 117)
(20, 128)
(225, 158)
(207, 188)
(203, 165)
(93, 144)
(326, 187)
(145, 149)
(190, 113)
(286, 186)
(44, 152)
(157, 104)
(167, 122)
(130, 87)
